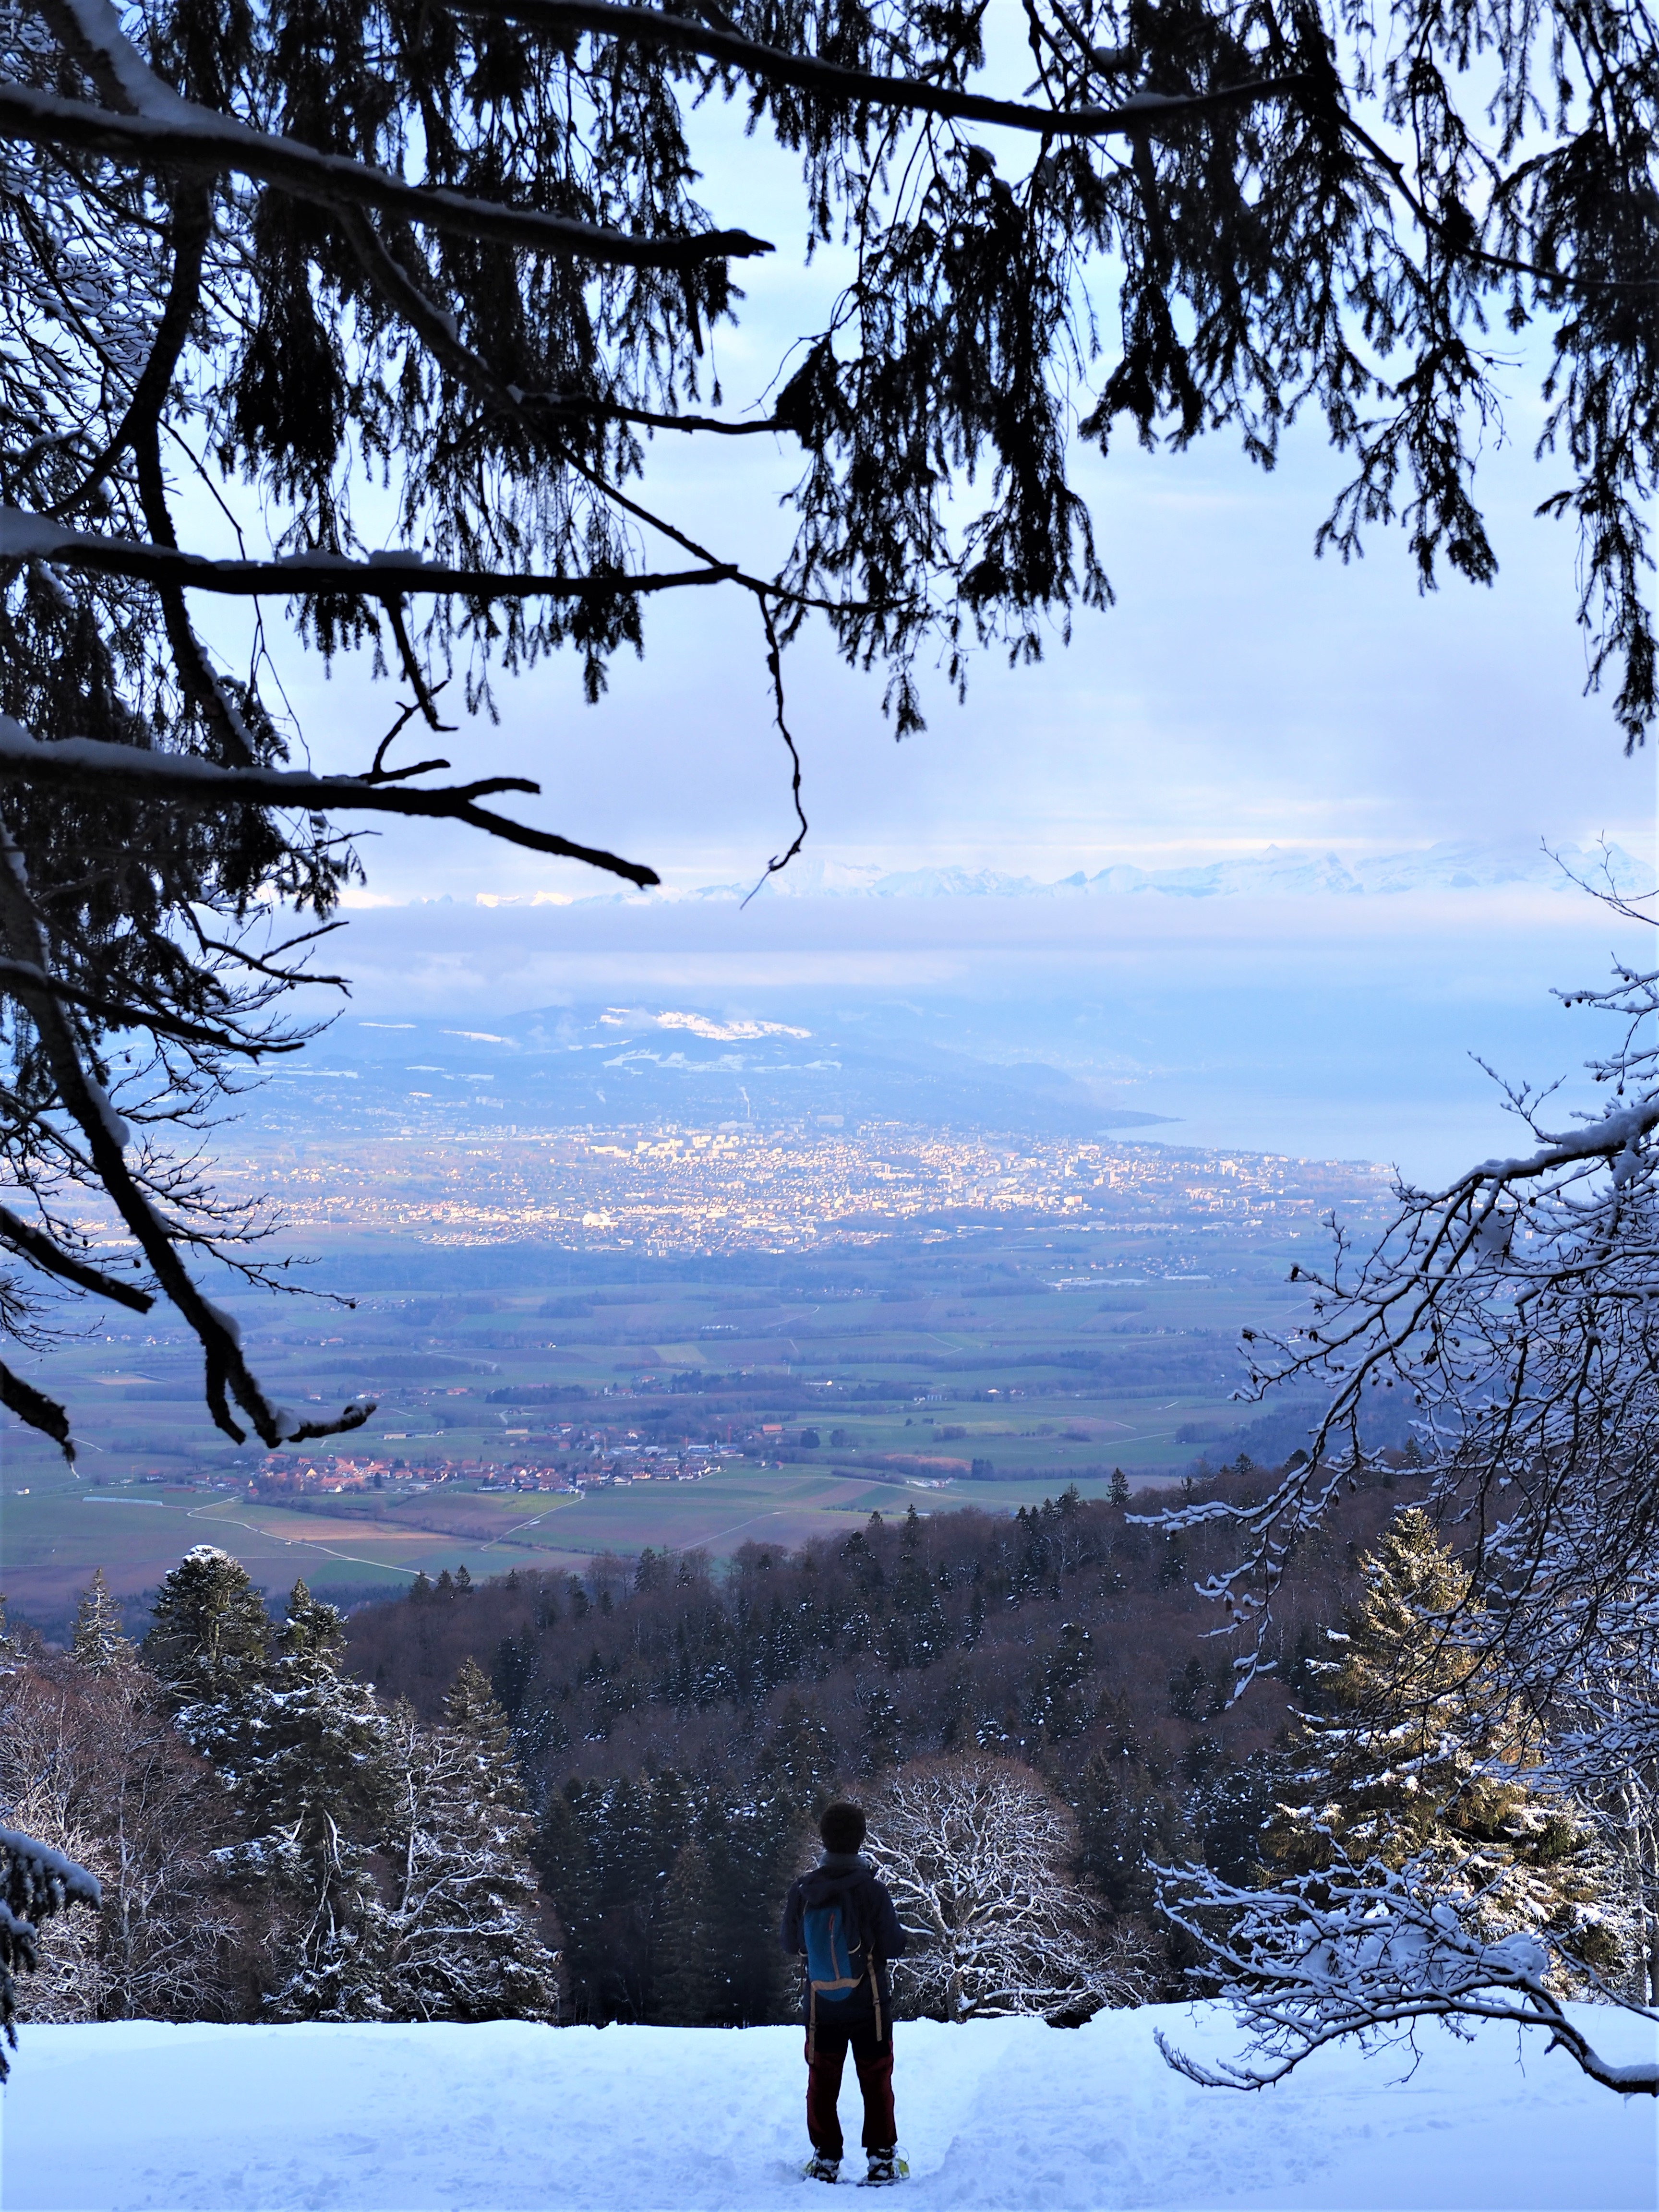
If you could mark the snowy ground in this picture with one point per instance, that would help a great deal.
(1000, 2113)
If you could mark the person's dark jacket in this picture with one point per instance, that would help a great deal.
(844, 1876)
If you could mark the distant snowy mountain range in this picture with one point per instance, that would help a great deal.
(1279, 872)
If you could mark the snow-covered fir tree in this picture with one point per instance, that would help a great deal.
(801, 1757)
(1414, 1761)
(211, 1635)
(310, 1759)
(99, 1641)
(461, 1935)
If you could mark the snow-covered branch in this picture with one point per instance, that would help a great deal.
(160, 129)
(80, 763)
(1365, 1951)
(36, 1882)
(382, 576)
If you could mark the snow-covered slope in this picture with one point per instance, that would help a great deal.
(1000, 2113)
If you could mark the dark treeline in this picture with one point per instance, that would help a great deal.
(677, 1722)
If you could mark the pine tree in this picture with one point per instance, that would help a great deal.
(881, 1731)
(1062, 1707)
(461, 1934)
(693, 1965)
(1412, 1761)
(99, 1641)
(801, 1758)
(308, 1755)
(605, 1852)
(211, 1635)
(718, 1963)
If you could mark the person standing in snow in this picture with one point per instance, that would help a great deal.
(841, 1921)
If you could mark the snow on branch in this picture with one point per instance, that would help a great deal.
(717, 41)
(92, 763)
(1365, 1951)
(383, 575)
(36, 1881)
(164, 131)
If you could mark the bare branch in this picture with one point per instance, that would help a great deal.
(129, 1016)
(34, 1407)
(106, 1138)
(34, 1244)
(1143, 112)
(78, 763)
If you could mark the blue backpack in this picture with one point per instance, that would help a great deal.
(837, 1956)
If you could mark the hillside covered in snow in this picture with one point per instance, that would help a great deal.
(998, 2113)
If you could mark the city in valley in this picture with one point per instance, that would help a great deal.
(595, 1338)
(674, 1190)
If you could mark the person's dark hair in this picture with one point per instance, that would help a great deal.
(842, 1828)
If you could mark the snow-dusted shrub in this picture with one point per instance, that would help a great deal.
(974, 1852)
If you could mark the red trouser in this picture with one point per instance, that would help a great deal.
(826, 2053)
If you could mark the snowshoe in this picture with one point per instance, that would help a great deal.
(886, 2167)
(819, 2169)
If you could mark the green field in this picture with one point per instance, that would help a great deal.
(54, 1539)
(1051, 1357)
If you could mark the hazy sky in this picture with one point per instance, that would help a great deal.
(1241, 693)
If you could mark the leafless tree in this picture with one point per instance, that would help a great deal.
(90, 1765)
(974, 1852)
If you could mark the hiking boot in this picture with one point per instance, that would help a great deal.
(820, 2168)
(886, 2166)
